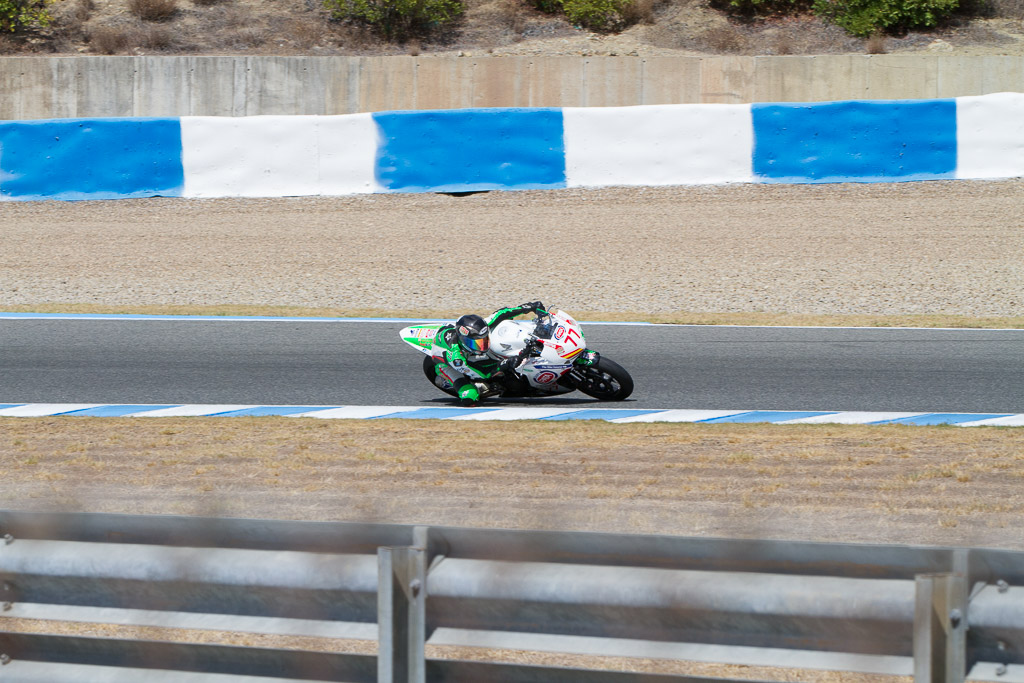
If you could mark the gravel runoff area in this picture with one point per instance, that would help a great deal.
(945, 247)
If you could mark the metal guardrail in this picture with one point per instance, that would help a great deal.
(939, 614)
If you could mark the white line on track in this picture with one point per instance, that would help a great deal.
(128, 317)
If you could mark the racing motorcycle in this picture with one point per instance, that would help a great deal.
(554, 359)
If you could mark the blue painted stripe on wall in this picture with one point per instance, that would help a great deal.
(470, 149)
(91, 158)
(878, 141)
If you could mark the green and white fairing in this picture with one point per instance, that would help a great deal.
(420, 337)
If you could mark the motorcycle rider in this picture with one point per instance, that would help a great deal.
(467, 343)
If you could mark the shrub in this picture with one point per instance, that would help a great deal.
(247, 37)
(548, 6)
(723, 39)
(156, 38)
(600, 15)
(17, 15)
(109, 40)
(749, 9)
(639, 12)
(153, 10)
(397, 19)
(863, 18)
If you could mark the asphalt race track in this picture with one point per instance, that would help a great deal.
(365, 363)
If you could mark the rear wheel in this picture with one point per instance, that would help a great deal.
(436, 379)
(606, 380)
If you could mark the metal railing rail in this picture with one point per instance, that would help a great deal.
(937, 613)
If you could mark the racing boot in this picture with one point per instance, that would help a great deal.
(469, 395)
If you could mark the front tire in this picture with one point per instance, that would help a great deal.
(606, 380)
(437, 380)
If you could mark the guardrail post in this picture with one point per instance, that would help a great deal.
(401, 614)
(6, 589)
(940, 628)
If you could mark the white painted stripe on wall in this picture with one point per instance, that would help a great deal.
(1007, 421)
(990, 136)
(348, 154)
(278, 156)
(355, 412)
(681, 416)
(191, 410)
(45, 409)
(658, 145)
(252, 156)
(850, 418)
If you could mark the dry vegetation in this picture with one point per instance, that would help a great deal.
(939, 485)
(488, 26)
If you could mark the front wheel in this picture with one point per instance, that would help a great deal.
(605, 380)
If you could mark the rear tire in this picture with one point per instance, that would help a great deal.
(606, 380)
(436, 379)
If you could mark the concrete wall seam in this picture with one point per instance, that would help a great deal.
(513, 148)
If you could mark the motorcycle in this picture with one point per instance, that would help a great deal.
(553, 355)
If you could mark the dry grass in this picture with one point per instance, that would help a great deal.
(725, 39)
(881, 484)
(110, 40)
(939, 485)
(304, 32)
(640, 12)
(513, 14)
(678, 318)
(449, 652)
(1009, 9)
(79, 11)
(876, 44)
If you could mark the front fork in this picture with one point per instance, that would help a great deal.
(587, 359)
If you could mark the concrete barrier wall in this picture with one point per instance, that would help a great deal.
(70, 87)
(513, 148)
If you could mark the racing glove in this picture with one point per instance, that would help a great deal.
(533, 306)
(509, 365)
